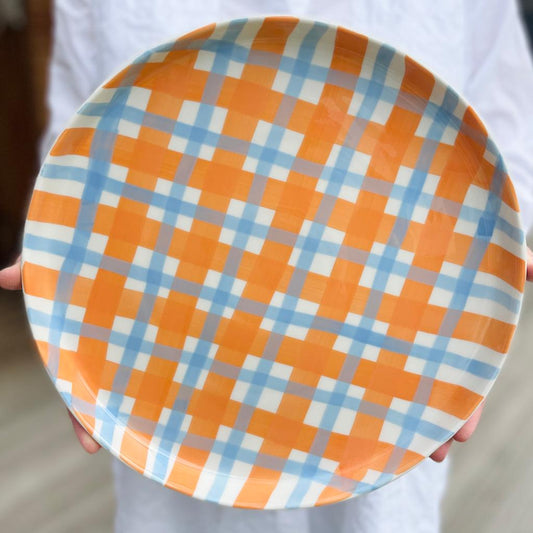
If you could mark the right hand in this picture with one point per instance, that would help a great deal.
(11, 279)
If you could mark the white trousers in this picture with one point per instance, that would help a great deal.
(410, 504)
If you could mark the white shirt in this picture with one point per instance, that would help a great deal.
(477, 46)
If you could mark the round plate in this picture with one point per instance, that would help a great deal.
(273, 264)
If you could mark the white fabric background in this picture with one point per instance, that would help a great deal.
(410, 504)
(477, 46)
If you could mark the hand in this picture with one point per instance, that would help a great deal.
(461, 436)
(11, 279)
(468, 429)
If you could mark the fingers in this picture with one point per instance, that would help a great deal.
(440, 453)
(10, 277)
(86, 441)
(461, 436)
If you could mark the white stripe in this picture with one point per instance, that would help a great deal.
(501, 238)
(313, 493)
(440, 418)
(454, 376)
(70, 160)
(422, 445)
(70, 188)
(208, 476)
(40, 333)
(282, 492)
(491, 309)
(42, 305)
(471, 350)
(47, 230)
(489, 280)
(324, 48)
(235, 482)
(85, 121)
(43, 259)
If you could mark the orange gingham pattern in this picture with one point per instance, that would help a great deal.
(273, 264)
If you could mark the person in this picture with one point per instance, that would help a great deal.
(478, 47)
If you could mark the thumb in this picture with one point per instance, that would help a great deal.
(10, 277)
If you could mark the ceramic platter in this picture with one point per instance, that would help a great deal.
(273, 264)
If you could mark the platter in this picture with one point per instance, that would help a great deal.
(273, 264)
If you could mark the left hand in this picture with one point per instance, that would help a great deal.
(468, 429)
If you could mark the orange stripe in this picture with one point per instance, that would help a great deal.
(453, 399)
(241, 96)
(387, 380)
(409, 459)
(388, 154)
(349, 52)
(332, 495)
(505, 265)
(359, 454)
(54, 208)
(134, 449)
(39, 281)
(258, 488)
(42, 348)
(104, 299)
(186, 471)
(74, 141)
(301, 118)
(417, 80)
(273, 34)
(489, 332)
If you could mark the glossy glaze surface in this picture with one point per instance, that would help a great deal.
(273, 264)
